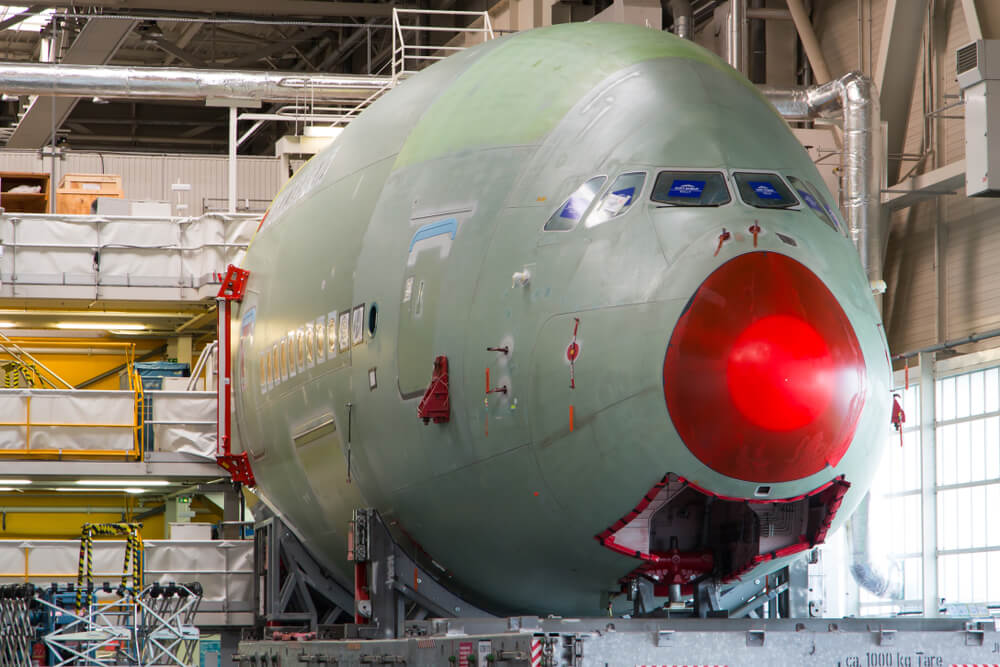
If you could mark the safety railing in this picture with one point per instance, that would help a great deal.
(46, 423)
(409, 56)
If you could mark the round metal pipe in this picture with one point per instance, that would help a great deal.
(182, 84)
(855, 97)
(736, 42)
(681, 10)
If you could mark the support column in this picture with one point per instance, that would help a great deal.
(928, 485)
(230, 514)
(232, 160)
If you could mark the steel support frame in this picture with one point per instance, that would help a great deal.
(292, 591)
(396, 587)
(899, 53)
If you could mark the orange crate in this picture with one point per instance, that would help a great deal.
(77, 192)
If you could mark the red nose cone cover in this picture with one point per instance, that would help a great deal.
(764, 378)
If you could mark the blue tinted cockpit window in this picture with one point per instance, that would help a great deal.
(617, 200)
(814, 200)
(690, 188)
(567, 215)
(764, 190)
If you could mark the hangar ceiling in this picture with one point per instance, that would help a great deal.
(308, 36)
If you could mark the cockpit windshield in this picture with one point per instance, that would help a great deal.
(690, 188)
(567, 215)
(764, 190)
(617, 199)
(815, 201)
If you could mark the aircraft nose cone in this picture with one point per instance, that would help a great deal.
(764, 378)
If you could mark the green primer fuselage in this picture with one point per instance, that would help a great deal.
(488, 143)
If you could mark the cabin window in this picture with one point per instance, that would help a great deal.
(300, 345)
(331, 336)
(690, 188)
(764, 190)
(310, 344)
(815, 201)
(567, 215)
(617, 199)
(320, 327)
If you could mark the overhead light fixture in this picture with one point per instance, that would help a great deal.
(128, 489)
(133, 483)
(15, 482)
(8, 488)
(100, 326)
(7, 325)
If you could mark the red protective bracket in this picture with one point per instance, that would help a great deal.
(234, 283)
(238, 467)
(436, 403)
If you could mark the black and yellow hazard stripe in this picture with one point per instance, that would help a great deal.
(131, 568)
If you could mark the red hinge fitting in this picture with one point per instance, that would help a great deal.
(234, 283)
(238, 467)
(436, 403)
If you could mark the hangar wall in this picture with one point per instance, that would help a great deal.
(149, 176)
(944, 282)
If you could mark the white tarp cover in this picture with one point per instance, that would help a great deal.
(184, 410)
(131, 251)
(224, 568)
(94, 420)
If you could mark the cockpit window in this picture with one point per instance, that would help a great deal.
(617, 199)
(814, 200)
(690, 188)
(567, 215)
(764, 190)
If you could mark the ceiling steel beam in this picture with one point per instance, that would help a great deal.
(12, 21)
(95, 45)
(186, 36)
(287, 8)
(895, 72)
(277, 47)
(940, 181)
(177, 51)
(971, 13)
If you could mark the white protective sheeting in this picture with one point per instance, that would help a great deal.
(67, 420)
(224, 568)
(121, 251)
(185, 422)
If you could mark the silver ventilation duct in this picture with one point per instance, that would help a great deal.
(736, 35)
(681, 10)
(855, 97)
(182, 84)
(882, 578)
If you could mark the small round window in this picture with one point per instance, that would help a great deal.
(372, 319)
